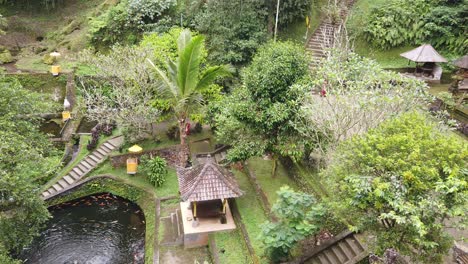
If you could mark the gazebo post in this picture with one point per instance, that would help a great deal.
(224, 205)
(195, 210)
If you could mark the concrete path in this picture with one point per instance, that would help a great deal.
(86, 165)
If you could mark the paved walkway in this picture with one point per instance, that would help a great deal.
(86, 165)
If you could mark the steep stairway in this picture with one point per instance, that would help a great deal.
(86, 165)
(345, 248)
(323, 37)
(173, 229)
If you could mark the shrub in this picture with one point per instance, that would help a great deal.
(49, 60)
(155, 169)
(388, 26)
(173, 132)
(5, 57)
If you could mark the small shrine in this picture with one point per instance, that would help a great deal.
(205, 190)
(132, 160)
(461, 80)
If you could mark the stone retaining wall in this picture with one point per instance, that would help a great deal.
(170, 154)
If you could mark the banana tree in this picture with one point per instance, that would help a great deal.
(184, 81)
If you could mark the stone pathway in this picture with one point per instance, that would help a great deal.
(323, 37)
(86, 165)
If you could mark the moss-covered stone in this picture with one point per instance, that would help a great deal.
(49, 60)
(5, 57)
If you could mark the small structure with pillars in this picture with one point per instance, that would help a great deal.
(205, 190)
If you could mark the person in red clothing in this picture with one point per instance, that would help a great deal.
(323, 92)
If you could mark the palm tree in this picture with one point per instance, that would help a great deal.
(183, 80)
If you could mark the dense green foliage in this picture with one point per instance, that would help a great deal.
(234, 29)
(256, 118)
(360, 95)
(122, 91)
(298, 216)
(399, 182)
(155, 169)
(126, 21)
(25, 155)
(292, 10)
(164, 46)
(185, 79)
(399, 22)
(446, 27)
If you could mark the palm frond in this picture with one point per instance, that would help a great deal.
(183, 40)
(189, 66)
(210, 75)
(165, 80)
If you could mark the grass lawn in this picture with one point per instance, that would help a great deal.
(252, 213)
(388, 59)
(231, 248)
(262, 169)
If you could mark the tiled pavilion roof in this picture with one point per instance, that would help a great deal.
(207, 181)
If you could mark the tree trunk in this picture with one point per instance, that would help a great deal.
(271, 16)
(273, 169)
(182, 134)
(184, 150)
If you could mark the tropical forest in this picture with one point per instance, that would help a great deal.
(233, 131)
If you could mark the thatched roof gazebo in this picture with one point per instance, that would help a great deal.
(205, 189)
(423, 53)
(462, 62)
(427, 55)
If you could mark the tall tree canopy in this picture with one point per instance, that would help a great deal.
(234, 29)
(257, 118)
(185, 79)
(25, 155)
(359, 96)
(400, 182)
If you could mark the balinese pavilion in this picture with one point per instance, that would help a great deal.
(462, 80)
(205, 189)
(426, 59)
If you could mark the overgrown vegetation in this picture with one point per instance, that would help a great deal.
(26, 155)
(155, 169)
(255, 119)
(399, 182)
(298, 216)
(395, 23)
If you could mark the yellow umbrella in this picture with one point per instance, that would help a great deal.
(135, 149)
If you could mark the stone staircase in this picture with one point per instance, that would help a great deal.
(323, 37)
(86, 165)
(345, 248)
(173, 229)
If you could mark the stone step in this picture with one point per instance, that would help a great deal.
(108, 145)
(86, 164)
(105, 149)
(69, 179)
(94, 158)
(45, 193)
(90, 161)
(63, 183)
(78, 171)
(100, 152)
(74, 175)
(82, 168)
(57, 187)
